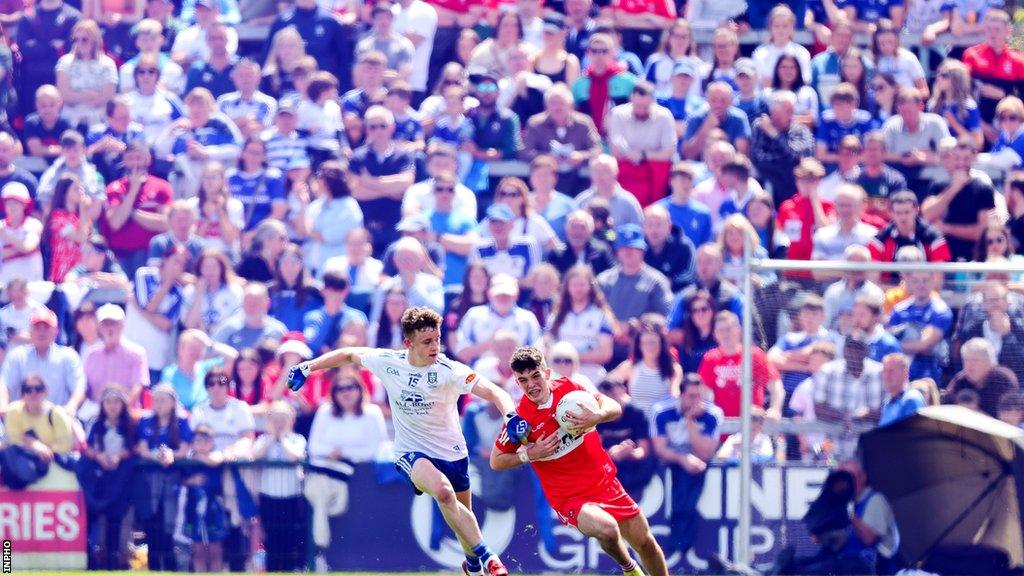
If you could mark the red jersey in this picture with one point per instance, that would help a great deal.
(663, 8)
(796, 221)
(579, 466)
(154, 196)
(722, 373)
(1004, 69)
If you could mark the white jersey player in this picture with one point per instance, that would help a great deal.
(423, 389)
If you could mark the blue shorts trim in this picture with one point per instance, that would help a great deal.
(456, 472)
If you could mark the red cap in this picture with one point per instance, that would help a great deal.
(45, 316)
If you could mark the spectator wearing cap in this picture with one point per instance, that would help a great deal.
(901, 400)
(750, 96)
(72, 160)
(322, 327)
(720, 113)
(149, 42)
(849, 391)
(570, 137)
(604, 83)
(10, 150)
(20, 236)
(495, 133)
(960, 208)
(691, 216)
(778, 144)
(421, 197)
(116, 361)
(581, 246)
(326, 39)
(643, 139)
(414, 274)
(44, 126)
(107, 142)
(481, 323)
(191, 44)
(515, 194)
(42, 355)
(982, 374)
(553, 58)
(283, 141)
(804, 212)
(455, 232)
(382, 37)
(380, 173)
(417, 227)
(682, 96)
(251, 325)
(136, 208)
(196, 356)
(503, 251)
(250, 109)
(604, 174)
(633, 288)
(677, 47)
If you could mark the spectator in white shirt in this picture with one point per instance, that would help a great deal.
(481, 323)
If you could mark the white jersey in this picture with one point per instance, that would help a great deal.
(423, 401)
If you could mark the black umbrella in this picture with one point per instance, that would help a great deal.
(954, 477)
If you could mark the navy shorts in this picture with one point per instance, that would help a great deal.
(456, 472)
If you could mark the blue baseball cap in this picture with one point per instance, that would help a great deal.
(630, 236)
(684, 68)
(500, 212)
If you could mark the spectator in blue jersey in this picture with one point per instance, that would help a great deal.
(504, 252)
(251, 110)
(866, 318)
(628, 439)
(480, 323)
(251, 325)
(685, 437)
(284, 143)
(1008, 151)
(689, 215)
(44, 125)
(827, 66)
(326, 39)
(866, 14)
(293, 292)
(455, 232)
(669, 251)
(952, 99)
(152, 106)
(158, 307)
(369, 91)
(322, 327)
(720, 113)
(778, 144)
(408, 130)
(901, 400)
(214, 71)
(680, 98)
(380, 173)
(107, 142)
(843, 118)
(922, 322)
(259, 187)
(791, 354)
(44, 35)
(750, 96)
(203, 135)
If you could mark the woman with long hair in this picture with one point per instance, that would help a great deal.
(332, 215)
(286, 50)
(953, 100)
(68, 225)
(650, 371)
(86, 77)
(761, 214)
(105, 475)
(735, 229)
(677, 45)
(583, 318)
(781, 32)
(725, 50)
(698, 330)
(891, 58)
(221, 216)
(493, 54)
(293, 292)
(553, 60)
(268, 243)
(787, 76)
(163, 437)
(475, 283)
(996, 244)
(515, 194)
(216, 295)
(248, 381)
(882, 98)
(350, 426)
(853, 70)
(386, 331)
(434, 106)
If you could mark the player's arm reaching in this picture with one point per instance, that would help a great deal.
(516, 426)
(334, 359)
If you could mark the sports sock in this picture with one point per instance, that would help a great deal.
(473, 563)
(482, 553)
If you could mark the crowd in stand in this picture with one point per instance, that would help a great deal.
(211, 212)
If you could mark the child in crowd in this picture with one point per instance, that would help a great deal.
(202, 519)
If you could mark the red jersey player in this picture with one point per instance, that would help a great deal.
(576, 473)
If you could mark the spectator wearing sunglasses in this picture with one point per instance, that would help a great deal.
(1008, 150)
(564, 360)
(604, 83)
(37, 424)
(230, 418)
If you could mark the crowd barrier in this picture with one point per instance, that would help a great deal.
(387, 528)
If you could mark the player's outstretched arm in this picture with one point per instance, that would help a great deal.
(501, 460)
(517, 428)
(334, 359)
